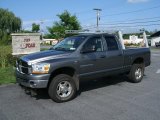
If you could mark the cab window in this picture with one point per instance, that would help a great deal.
(95, 42)
(111, 43)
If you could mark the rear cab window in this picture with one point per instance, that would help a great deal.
(111, 42)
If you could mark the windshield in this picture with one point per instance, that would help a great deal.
(69, 44)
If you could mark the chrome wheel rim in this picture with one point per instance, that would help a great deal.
(64, 89)
(138, 73)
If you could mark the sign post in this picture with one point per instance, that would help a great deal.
(25, 43)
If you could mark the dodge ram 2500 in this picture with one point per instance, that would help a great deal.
(80, 57)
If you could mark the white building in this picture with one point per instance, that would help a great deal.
(49, 41)
(155, 38)
(133, 39)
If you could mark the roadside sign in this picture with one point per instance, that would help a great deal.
(25, 43)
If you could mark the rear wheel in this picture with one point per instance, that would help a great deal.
(136, 73)
(62, 88)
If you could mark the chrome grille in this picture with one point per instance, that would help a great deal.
(23, 67)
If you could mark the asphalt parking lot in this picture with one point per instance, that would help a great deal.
(106, 99)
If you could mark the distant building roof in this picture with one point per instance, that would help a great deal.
(157, 34)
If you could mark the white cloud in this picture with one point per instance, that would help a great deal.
(137, 1)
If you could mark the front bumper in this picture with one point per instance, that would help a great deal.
(32, 81)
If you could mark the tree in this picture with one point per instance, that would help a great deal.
(35, 27)
(9, 23)
(66, 22)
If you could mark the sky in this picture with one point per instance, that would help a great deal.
(125, 15)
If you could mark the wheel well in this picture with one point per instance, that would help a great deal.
(138, 61)
(65, 70)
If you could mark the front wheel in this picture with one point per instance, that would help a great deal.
(137, 72)
(62, 88)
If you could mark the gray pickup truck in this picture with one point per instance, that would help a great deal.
(80, 57)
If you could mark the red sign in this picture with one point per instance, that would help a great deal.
(27, 44)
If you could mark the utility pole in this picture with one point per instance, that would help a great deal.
(98, 15)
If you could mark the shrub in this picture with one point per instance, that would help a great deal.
(6, 58)
(11, 60)
(132, 44)
(5, 39)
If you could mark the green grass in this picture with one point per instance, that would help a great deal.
(43, 49)
(7, 75)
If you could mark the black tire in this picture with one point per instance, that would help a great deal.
(134, 76)
(54, 88)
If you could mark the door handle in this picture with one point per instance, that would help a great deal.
(119, 54)
(102, 56)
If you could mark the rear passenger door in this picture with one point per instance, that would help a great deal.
(114, 56)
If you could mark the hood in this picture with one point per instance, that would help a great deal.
(44, 55)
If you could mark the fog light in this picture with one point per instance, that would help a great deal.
(32, 83)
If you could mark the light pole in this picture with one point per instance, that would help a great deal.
(98, 16)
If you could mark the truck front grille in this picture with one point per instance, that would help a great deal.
(23, 67)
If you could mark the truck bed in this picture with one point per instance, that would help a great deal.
(130, 54)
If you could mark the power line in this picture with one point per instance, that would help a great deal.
(140, 25)
(139, 10)
(155, 21)
(140, 19)
(131, 22)
(135, 11)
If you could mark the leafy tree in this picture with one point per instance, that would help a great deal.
(35, 27)
(9, 23)
(66, 22)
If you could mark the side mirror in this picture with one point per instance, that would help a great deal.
(51, 48)
(88, 49)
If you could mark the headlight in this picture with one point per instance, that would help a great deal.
(40, 68)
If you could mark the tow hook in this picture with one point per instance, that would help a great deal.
(32, 92)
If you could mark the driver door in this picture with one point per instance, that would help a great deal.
(92, 63)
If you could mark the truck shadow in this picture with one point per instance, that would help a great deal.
(102, 82)
(89, 85)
